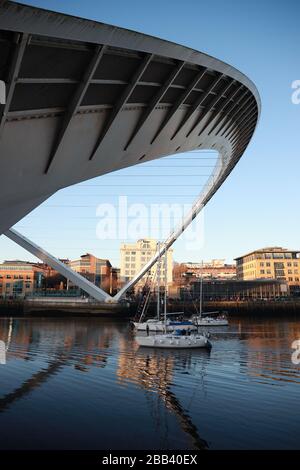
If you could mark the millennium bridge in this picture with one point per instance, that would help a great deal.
(84, 99)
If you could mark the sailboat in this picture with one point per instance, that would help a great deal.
(208, 318)
(173, 340)
(157, 324)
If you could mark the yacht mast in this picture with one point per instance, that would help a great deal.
(166, 284)
(201, 291)
(158, 282)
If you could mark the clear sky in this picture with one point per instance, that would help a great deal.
(258, 205)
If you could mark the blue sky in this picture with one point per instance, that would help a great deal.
(258, 205)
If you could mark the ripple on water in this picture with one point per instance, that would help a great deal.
(84, 383)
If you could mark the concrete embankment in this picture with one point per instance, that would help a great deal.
(236, 307)
(11, 307)
(62, 307)
(256, 308)
(83, 307)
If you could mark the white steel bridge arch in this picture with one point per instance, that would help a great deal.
(85, 99)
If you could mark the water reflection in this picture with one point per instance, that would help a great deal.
(172, 397)
(153, 370)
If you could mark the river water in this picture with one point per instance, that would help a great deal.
(74, 383)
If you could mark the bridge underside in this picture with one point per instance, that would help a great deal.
(86, 98)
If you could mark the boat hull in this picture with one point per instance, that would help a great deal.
(160, 326)
(212, 323)
(174, 341)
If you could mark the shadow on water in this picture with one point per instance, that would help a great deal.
(152, 370)
(31, 384)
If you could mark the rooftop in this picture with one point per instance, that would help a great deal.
(269, 249)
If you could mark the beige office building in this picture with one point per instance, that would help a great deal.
(271, 263)
(135, 255)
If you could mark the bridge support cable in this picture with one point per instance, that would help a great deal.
(80, 281)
